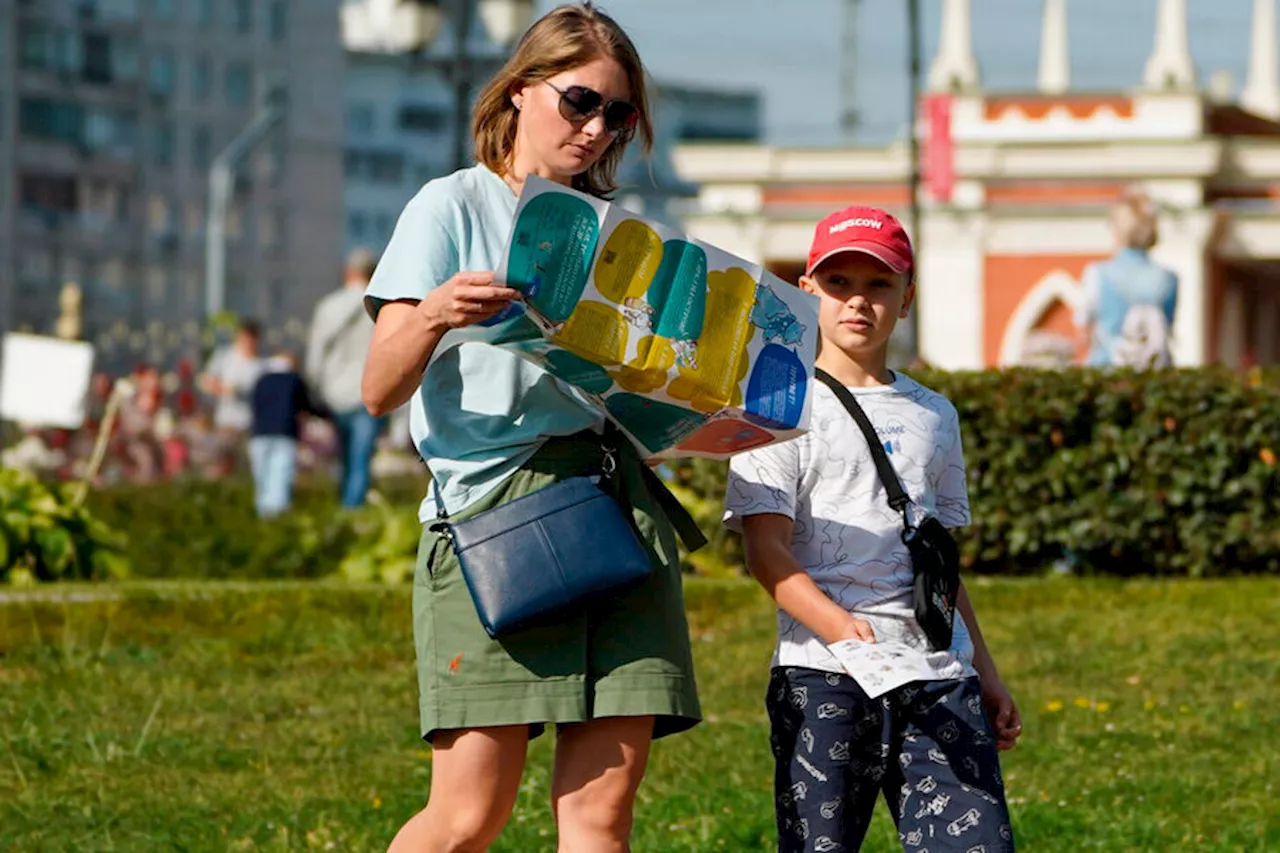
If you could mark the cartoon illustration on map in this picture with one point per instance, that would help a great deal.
(691, 350)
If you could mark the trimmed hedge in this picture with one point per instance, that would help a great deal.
(1171, 473)
(1168, 472)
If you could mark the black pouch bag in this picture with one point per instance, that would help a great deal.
(935, 559)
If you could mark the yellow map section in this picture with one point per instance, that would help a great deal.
(595, 331)
(648, 371)
(722, 349)
(628, 261)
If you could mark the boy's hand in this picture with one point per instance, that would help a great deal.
(857, 629)
(1002, 711)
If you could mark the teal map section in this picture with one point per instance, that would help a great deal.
(679, 291)
(575, 370)
(655, 425)
(555, 238)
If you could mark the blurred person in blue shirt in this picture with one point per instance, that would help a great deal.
(1128, 301)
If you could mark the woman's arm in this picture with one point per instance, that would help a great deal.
(407, 333)
(767, 538)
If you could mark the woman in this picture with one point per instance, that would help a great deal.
(491, 427)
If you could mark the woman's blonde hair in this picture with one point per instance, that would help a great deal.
(1134, 220)
(566, 37)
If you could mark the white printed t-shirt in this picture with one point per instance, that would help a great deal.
(846, 536)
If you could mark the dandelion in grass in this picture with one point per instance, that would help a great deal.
(1081, 702)
(1053, 706)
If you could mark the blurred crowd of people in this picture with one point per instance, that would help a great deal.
(274, 415)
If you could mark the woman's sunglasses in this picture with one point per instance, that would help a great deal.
(579, 104)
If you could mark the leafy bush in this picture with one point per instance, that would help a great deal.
(1170, 472)
(208, 529)
(46, 535)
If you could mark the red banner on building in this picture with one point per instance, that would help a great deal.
(938, 166)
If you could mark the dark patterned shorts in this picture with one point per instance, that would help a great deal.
(928, 746)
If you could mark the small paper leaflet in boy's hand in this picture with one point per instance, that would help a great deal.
(880, 667)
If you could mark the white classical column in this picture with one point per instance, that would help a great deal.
(1261, 94)
(954, 66)
(1170, 65)
(1055, 63)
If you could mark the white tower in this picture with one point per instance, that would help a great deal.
(1170, 66)
(1055, 64)
(1261, 94)
(955, 67)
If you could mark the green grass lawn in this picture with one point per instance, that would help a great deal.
(283, 717)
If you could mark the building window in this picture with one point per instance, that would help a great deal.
(423, 119)
(204, 13)
(46, 118)
(201, 78)
(160, 72)
(159, 215)
(110, 131)
(97, 58)
(201, 148)
(242, 16)
(156, 285)
(357, 226)
(125, 60)
(377, 167)
(162, 136)
(118, 10)
(239, 84)
(279, 20)
(360, 119)
(49, 49)
(48, 194)
(34, 48)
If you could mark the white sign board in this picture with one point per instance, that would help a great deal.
(44, 381)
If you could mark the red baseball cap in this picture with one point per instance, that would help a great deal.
(862, 229)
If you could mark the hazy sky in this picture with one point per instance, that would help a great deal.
(790, 50)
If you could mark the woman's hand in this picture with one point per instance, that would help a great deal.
(464, 300)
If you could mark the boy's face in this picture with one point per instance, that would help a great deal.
(861, 301)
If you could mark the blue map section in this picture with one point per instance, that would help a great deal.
(774, 318)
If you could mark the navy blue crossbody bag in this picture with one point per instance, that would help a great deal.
(558, 548)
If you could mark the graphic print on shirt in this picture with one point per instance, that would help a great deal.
(845, 534)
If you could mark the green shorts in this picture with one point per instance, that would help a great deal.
(628, 656)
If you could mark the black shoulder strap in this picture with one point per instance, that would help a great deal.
(898, 498)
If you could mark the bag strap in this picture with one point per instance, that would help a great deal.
(899, 500)
(681, 521)
(347, 323)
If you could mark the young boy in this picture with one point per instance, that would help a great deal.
(821, 538)
(278, 402)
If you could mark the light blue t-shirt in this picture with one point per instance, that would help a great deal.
(1113, 291)
(481, 411)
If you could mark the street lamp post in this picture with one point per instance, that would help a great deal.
(411, 26)
(221, 175)
(503, 21)
(913, 143)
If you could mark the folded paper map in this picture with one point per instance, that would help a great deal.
(690, 350)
